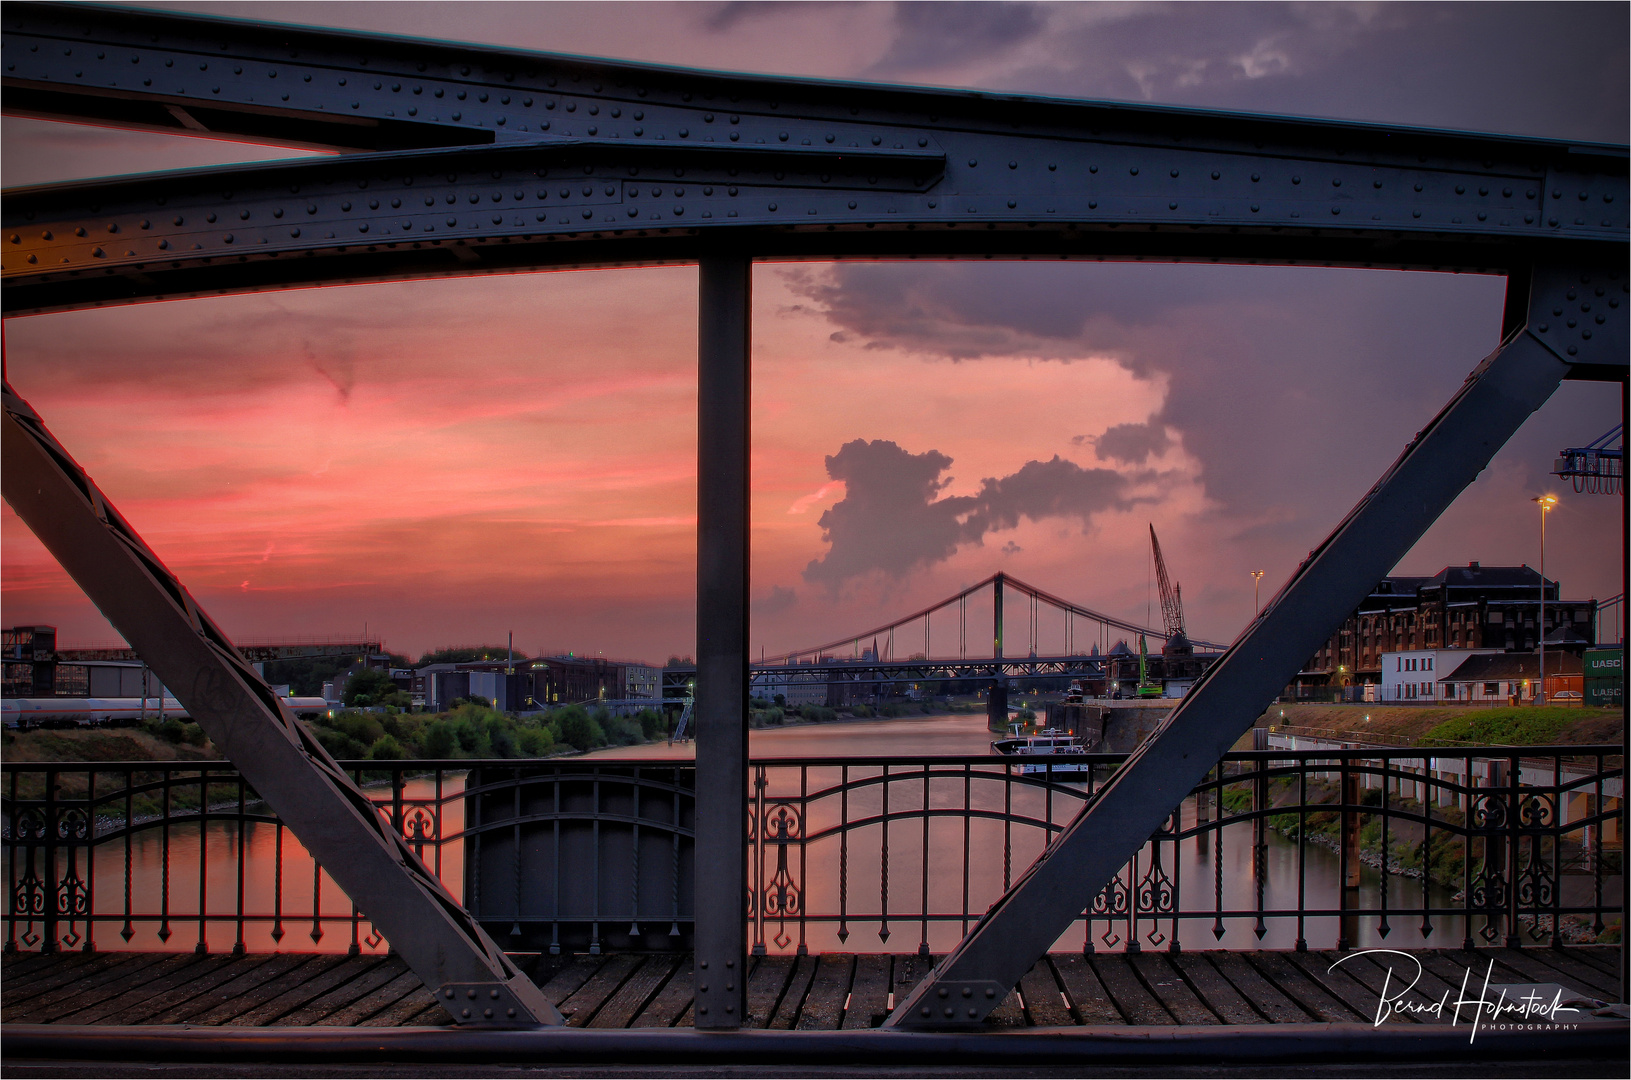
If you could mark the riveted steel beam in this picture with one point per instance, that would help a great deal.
(1439, 463)
(724, 397)
(285, 764)
(532, 160)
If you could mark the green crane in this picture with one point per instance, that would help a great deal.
(1146, 689)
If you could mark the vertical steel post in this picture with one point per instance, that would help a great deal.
(996, 616)
(724, 326)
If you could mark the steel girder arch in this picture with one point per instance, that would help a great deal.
(482, 160)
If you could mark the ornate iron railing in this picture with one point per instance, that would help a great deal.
(1279, 847)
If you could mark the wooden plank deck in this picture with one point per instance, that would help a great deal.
(804, 993)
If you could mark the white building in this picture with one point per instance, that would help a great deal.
(1411, 677)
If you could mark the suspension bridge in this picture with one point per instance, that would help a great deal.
(1061, 640)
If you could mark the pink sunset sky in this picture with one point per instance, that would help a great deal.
(450, 461)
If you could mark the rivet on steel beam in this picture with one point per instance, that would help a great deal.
(1092, 168)
(1336, 181)
(1175, 174)
(1133, 171)
(1256, 177)
(1296, 179)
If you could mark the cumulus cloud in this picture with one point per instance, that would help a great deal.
(1132, 444)
(777, 600)
(893, 518)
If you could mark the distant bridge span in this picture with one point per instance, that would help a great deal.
(869, 661)
(1000, 583)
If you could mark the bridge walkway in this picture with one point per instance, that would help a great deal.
(804, 993)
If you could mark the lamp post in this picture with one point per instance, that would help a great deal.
(1257, 576)
(1545, 502)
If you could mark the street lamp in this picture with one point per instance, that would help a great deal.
(1257, 576)
(1545, 502)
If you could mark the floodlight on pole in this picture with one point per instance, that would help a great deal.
(1545, 502)
(1257, 576)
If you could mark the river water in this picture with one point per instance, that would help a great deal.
(163, 872)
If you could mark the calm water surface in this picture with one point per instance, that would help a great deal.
(163, 873)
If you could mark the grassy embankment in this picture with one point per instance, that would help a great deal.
(1452, 725)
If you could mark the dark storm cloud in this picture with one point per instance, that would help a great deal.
(932, 35)
(1554, 69)
(892, 518)
(1131, 444)
(1272, 373)
(969, 310)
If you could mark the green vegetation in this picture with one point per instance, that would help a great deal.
(474, 730)
(371, 686)
(1522, 726)
(307, 676)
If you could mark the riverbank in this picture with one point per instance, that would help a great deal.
(1450, 725)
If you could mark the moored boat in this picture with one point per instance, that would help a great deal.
(1036, 749)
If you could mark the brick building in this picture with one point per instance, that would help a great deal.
(1460, 607)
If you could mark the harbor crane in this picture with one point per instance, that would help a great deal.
(1172, 602)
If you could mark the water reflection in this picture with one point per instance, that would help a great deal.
(866, 888)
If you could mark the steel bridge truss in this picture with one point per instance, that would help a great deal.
(465, 160)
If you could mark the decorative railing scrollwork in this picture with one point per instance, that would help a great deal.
(1481, 845)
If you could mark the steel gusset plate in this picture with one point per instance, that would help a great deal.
(284, 763)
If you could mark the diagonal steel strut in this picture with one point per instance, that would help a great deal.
(1438, 464)
(287, 767)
